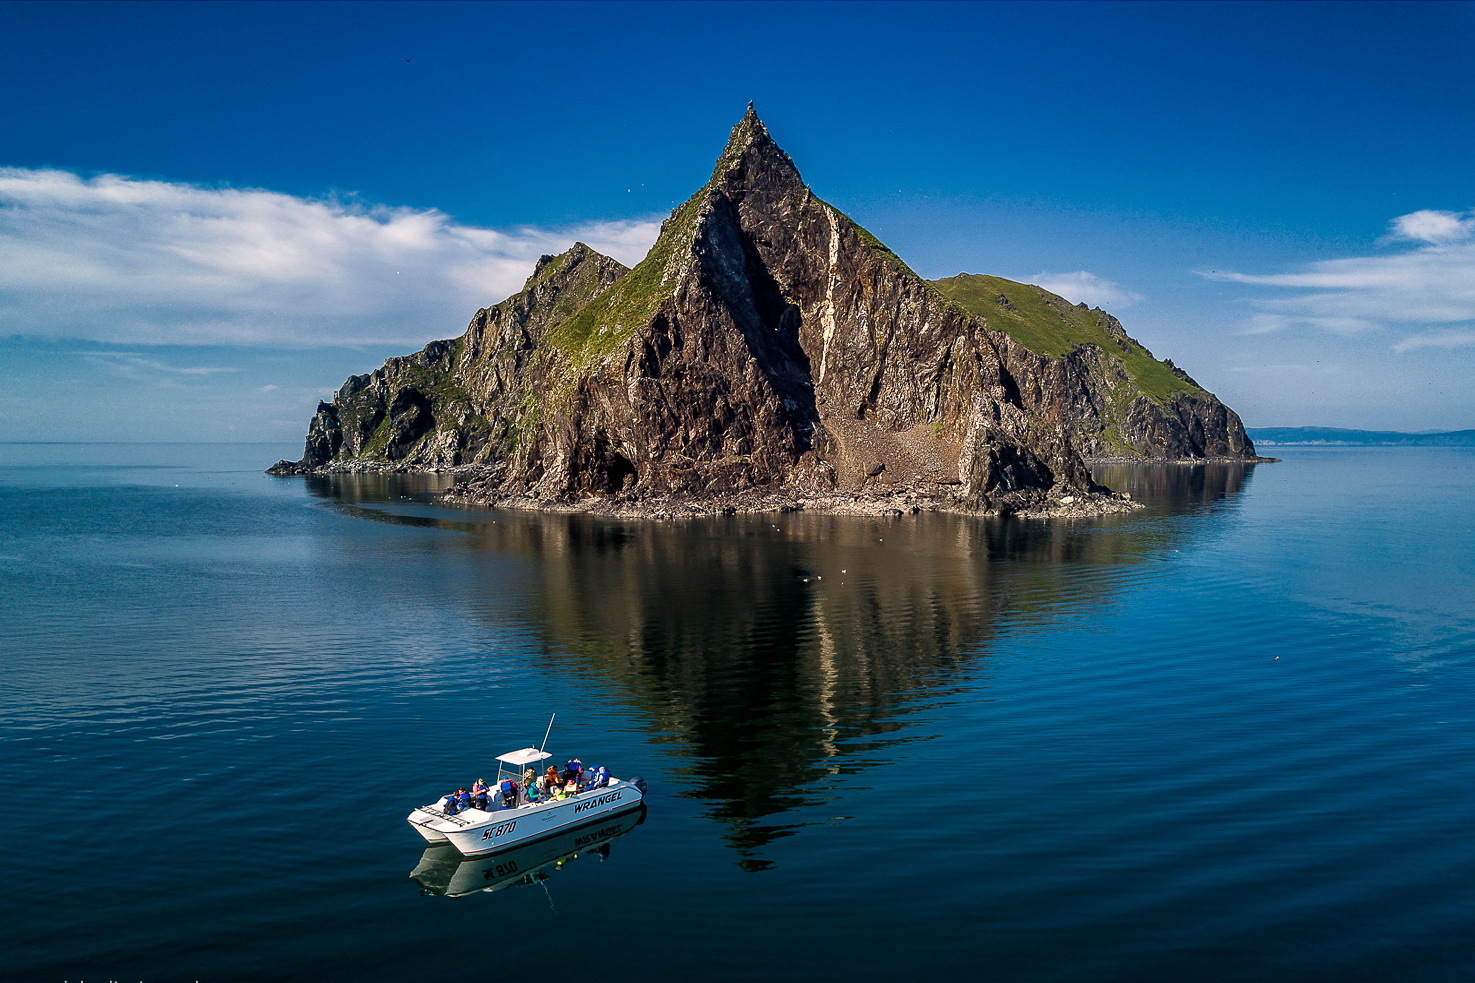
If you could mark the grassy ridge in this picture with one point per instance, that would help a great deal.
(1050, 325)
(598, 327)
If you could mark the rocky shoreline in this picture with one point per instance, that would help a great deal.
(899, 503)
(896, 502)
(1178, 461)
(289, 469)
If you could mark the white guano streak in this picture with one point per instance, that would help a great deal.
(829, 316)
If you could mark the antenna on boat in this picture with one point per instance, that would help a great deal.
(546, 733)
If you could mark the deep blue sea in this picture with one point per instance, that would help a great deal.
(1230, 736)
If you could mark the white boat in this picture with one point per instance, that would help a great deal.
(446, 872)
(516, 821)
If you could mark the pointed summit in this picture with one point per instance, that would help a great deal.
(751, 159)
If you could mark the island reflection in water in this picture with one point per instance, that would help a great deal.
(778, 651)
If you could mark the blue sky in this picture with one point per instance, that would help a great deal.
(211, 214)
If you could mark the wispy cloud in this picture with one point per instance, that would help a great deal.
(1405, 291)
(134, 364)
(1082, 287)
(121, 260)
(1437, 339)
(1296, 370)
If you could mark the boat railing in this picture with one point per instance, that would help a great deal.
(435, 810)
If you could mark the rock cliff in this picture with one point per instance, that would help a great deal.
(770, 351)
(455, 403)
(1077, 367)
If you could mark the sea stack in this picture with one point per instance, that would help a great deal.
(770, 353)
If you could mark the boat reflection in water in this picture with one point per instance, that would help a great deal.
(442, 870)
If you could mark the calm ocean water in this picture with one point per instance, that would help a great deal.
(1227, 737)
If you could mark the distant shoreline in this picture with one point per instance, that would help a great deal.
(1338, 437)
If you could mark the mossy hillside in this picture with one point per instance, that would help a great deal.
(600, 326)
(451, 404)
(1050, 325)
(880, 248)
(378, 441)
(441, 386)
(546, 270)
(566, 301)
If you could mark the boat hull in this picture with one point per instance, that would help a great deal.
(421, 820)
(446, 872)
(475, 833)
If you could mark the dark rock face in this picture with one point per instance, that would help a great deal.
(767, 346)
(452, 404)
(1090, 394)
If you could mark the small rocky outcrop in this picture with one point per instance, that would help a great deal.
(767, 353)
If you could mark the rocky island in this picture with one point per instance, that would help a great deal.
(769, 353)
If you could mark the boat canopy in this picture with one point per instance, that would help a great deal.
(521, 759)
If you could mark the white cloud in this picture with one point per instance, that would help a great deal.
(1268, 323)
(1433, 226)
(1431, 284)
(133, 365)
(120, 260)
(1437, 339)
(1082, 287)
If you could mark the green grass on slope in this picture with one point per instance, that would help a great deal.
(878, 247)
(1051, 325)
(597, 328)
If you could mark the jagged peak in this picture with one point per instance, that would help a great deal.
(750, 152)
(550, 264)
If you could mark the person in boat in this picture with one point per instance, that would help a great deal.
(574, 772)
(479, 792)
(509, 793)
(600, 777)
(551, 779)
(458, 801)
